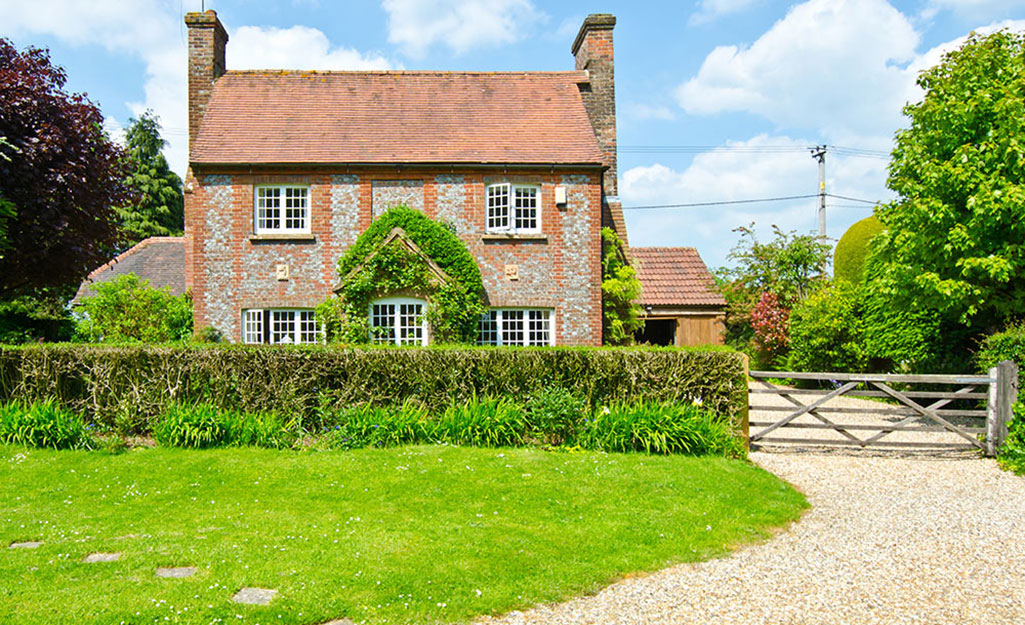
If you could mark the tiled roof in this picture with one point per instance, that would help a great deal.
(161, 260)
(396, 117)
(674, 276)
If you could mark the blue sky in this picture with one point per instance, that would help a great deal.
(717, 99)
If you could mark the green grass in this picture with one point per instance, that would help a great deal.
(406, 535)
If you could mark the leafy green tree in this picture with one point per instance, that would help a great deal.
(790, 267)
(827, 330)
(953, 239)
(158, 209)
(129, 309)
(620, 288)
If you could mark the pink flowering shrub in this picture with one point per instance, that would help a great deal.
(770, 319)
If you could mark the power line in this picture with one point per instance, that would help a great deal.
(748, 201)
(722, 202)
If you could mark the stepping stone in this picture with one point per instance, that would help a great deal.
(102, 557)
(254, 596)
(340, 621)
(30, 544)
(176, 571)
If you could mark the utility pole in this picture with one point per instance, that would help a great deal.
(819, 152)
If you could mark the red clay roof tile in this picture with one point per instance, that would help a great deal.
(674, 276)
(396, 117)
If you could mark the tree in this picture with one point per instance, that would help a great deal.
(158, 209)
(953, 239)
(789, 267)
(62, 179)
(620, 288)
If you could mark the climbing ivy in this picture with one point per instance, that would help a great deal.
(369, 271)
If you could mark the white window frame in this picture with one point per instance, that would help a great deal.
(258, 326)
(396, 317)
(510, 218)
(283, 191)
(504, 330)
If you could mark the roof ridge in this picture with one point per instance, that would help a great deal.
(398, 72)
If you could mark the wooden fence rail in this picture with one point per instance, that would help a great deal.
(989, 402)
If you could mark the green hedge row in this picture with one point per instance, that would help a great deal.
(127, 387)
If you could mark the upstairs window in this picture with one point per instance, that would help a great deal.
(282, 210)
(279, 326)
(398, 321)
(513, 208)
(524, 327)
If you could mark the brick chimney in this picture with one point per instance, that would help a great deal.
(593, 51)
(207, 39)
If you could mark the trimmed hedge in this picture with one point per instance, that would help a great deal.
(128, 387)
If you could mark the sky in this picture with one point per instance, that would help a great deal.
(717, 100)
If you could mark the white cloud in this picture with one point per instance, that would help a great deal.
(459, 25)
(761, 167)
(298, 47)
(710, 10)
(829, 64)
(150, 30)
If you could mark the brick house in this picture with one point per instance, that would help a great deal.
(287, 168)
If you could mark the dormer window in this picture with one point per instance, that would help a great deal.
(282, 209)
(513, 208)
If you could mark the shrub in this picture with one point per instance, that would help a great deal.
(553, 414)
(1006, 345)
(662, 428)
(136, 383)
(43, 424)
(770, 319)
(827, 331)
(378, 426)
(201, 426)
(488, 422)
(1012, 454)
(196, 427)
(620, 290)
(853, 249)
(128, 309)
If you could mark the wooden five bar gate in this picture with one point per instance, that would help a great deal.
(977, 421)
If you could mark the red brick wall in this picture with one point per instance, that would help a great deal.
(229, 272)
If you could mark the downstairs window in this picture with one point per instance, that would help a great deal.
(515, 326)
(279, 326)
(398, 321)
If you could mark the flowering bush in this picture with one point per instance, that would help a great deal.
(771, 322)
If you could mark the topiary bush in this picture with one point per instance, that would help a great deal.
(43, 424)
(852, 251)
(368, 271)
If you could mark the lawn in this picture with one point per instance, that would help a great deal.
(415, 534)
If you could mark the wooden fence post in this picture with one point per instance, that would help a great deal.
(745, 416)
(1003, 393)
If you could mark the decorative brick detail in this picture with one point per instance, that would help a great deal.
(392, 193)
(207, 42)
(593, 50)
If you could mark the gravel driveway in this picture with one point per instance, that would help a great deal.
(890, 538)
